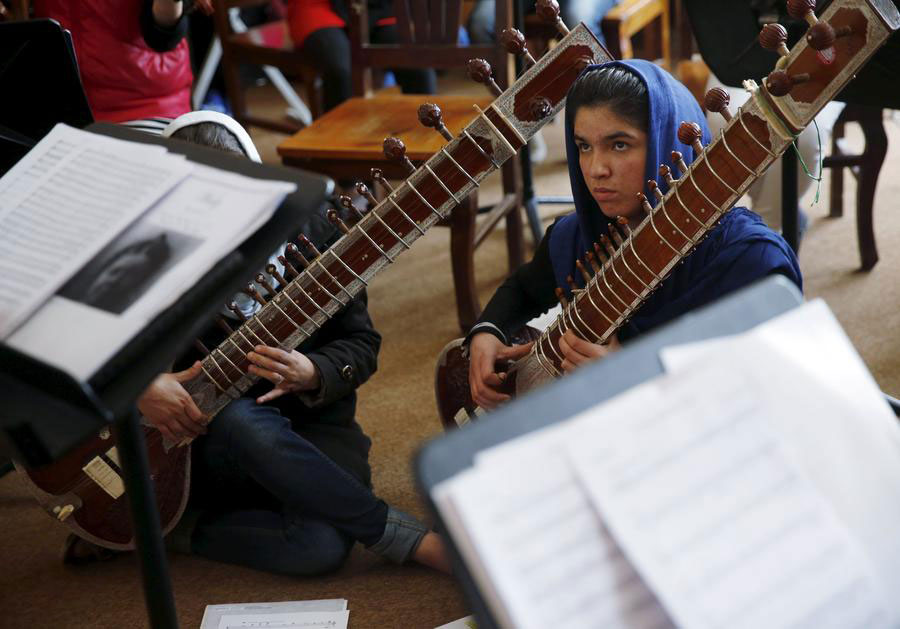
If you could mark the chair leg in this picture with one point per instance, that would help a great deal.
(515, 239)
(462, 259)
(836, 202)
(231, 73)
(872, 124)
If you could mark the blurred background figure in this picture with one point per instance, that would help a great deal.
(319, 29)
(133, 57)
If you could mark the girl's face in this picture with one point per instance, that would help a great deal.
(612, 154)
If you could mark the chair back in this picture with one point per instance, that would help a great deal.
(427, 37)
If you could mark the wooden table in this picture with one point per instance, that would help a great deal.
(346, 142)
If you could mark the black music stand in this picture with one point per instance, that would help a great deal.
(47, 412)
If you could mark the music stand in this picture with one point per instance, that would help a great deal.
(47, 412)
(455, 451)
(41, 86)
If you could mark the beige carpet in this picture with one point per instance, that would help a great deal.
(412, 305)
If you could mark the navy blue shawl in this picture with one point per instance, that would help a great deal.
(740, 250)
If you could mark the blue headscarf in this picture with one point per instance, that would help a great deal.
(738, 251)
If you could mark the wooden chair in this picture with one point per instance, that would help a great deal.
(265, 45)
(650, 18)
(347, 141)
(865, 167)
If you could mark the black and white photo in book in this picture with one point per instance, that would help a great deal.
(126, 268)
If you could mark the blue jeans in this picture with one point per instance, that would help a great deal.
(271, 500)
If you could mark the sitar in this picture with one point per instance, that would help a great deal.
(635, 263)
(85, 490)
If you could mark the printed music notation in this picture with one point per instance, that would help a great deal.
(740, 492)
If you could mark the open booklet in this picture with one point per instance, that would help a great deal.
(99, 235)
(756, 484)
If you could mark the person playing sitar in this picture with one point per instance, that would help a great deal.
(621, 124)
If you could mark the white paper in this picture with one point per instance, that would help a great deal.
(543, 558)
(113, 296)
(286, 620)
(63, 202)
(715, 512)
(831, 415)
(462, 623)
(213, 613)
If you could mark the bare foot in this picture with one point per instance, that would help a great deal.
(432, 553)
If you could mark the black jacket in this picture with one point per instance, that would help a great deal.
(345, 351)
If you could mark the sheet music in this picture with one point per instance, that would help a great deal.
(831, 416)
(714, 511)
(545, 558)
(147, 268)
(63, 202)
(288, 620)
(214, 613)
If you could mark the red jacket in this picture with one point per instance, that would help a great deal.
(123, 77)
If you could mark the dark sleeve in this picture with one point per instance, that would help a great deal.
(527, 293)
(159, 38)
(349, 358)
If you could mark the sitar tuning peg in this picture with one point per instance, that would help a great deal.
(690, 133)
(250, 291)
(430, 116)
(678, 160)
(589, 256)
(548, 11)
(363, 191)
(395, 151)
(780, 83)
(347, 203)
(540, 107)
(233, 307)
(378, 175)
(666, 173)
(561, 296)
(572, 285)
(480, 71)
(774, 37)
(600, 253)
(803, 10)
(223, 325)
(203, 349)
(308, 245)
(289, 270)
(293, 251)
(514, 42)
(614, 233)
(645, 203)
(654, 187)
(272, 270)
(583, 271)
(335, 219)
(622, 222)
(821, 36)
(716, 101)
(263, 281)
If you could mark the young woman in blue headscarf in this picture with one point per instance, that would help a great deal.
(621, 124)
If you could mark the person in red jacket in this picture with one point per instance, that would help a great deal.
(318, 29)
(132, 55)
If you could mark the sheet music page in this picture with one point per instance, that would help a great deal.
(830, 414)
(539, 550)
(147, 268)
(213, 613)
(288, 620)
(63, 202)
(714, 511)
